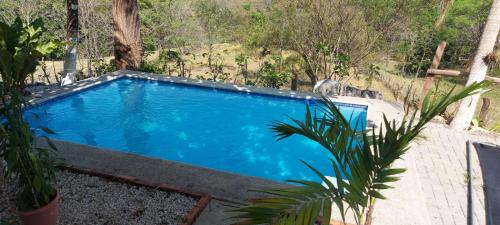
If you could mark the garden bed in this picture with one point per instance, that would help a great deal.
(89, 199)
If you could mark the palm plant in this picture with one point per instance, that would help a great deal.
(363, 159)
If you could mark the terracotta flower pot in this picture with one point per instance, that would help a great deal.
(46, 215)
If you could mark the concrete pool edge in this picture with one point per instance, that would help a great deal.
(220, 185)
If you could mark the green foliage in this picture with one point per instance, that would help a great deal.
(246, 6)
(271, 76)
(101, 66)
(168, 62)
(363, 159)
(242, 62)
(461, 30)
(341, 66)
(496, 128)
(33, 167)
(152, 67)
(21, 48)
(404, 29)
(170, 56)
(216, 20)
(373, 71)
(8, 221)
(51, 13)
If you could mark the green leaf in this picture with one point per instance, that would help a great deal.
(388, 179)
(376, 194)
(381, 186)
(37, 183)
(393, 171)
(47, 130)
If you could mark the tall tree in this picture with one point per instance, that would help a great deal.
(70, 51)
(479, 67)
(330, 36)
(127, 34)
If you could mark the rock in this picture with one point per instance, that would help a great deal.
(352, 91)
(68, 79)
(372, 94)
(327, 87)
(332, 88)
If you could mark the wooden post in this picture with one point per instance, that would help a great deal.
(430, 77)
(295, 80)
(484, 109)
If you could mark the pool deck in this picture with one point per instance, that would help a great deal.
(432, 191)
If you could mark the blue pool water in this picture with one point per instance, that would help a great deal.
(212, 128)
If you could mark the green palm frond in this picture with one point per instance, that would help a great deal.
(361, 160)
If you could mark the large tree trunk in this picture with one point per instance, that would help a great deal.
(479, 68)
(309, 71)
(127, 34)
(70, 50)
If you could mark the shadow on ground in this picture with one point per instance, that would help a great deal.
(489, 158)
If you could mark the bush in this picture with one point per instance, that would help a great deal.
(270, 76)
(21, 47)
(152, 67)
(101, 66)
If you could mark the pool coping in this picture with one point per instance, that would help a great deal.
(187, 178)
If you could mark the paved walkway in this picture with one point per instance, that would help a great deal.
(441, 164)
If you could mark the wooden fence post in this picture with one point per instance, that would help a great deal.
(484, 109)
(430, 77)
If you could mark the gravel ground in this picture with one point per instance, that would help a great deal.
(93, 200)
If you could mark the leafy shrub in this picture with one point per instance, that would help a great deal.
(242, 62)
(101, 66)
(169, 56)
(373, 71)
(270, 76)
(152, 67)
(21, 47)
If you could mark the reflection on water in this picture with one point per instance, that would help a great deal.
(134, 102)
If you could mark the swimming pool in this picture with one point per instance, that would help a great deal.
(208, 127)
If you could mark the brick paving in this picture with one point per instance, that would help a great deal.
(441, 164)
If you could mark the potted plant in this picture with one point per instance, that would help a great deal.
(21, 47)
